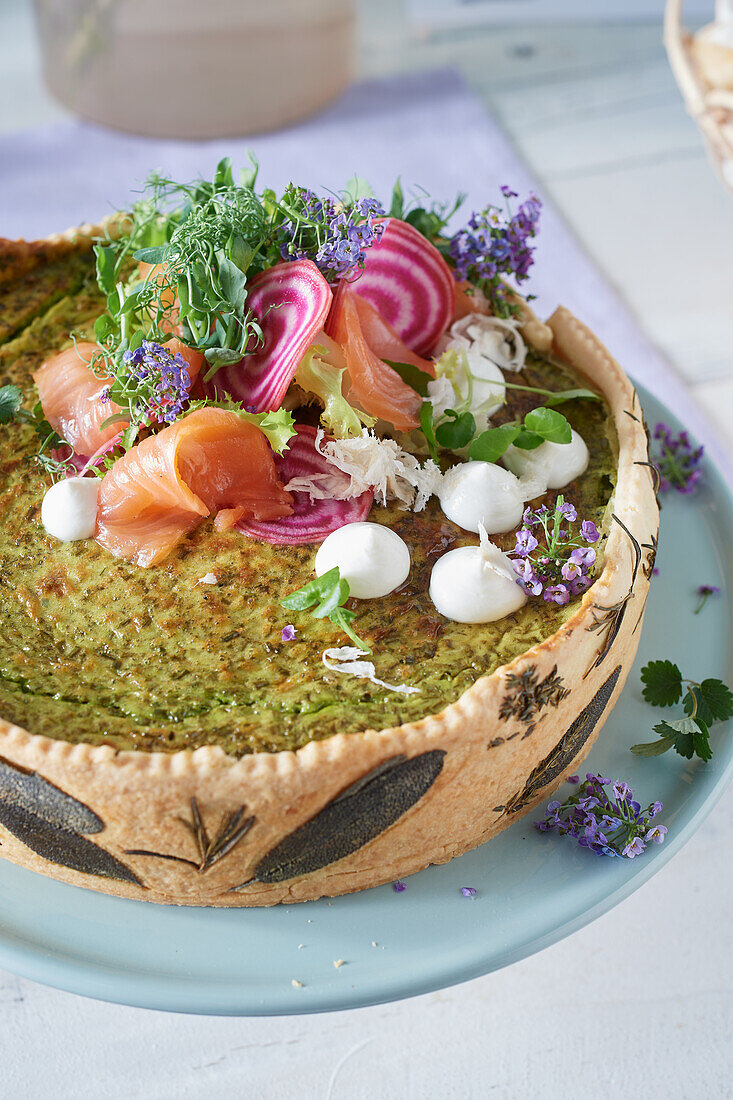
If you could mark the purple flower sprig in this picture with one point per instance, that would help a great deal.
(333, 234)
(609, 826)
(495, 243)
(150, 385)
(678, 460)
(551, 560)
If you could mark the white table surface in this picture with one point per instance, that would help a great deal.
(640, 1001)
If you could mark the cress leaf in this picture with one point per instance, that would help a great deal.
(456, 432)
(570, 395)
(490, 445)
(414, 377)
(551, 425)
(528, 441)
(653, 748)
(11, 399)
(343, 618)
(662, 683)
(718, 698)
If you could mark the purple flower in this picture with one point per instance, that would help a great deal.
(589, 531)
(526, 542)
(468, 891)
(655, 808)
(678, 460)
(332, 234)
(583, 556)
(399, 886)
(163, 382)
(656, 834)
(566, 509)
(557, 593)
(526, 577)
(288, 633)
(573, 779)
(634, 848)
(622, 791)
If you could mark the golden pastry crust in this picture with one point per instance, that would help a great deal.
(358, 810)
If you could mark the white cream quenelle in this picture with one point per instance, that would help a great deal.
(69, 508)
(553, 465)
(371, 557)
(475, 584)
(476, 493)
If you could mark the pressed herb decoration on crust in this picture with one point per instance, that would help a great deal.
(257, 353)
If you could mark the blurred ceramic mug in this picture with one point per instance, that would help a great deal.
(196, 68)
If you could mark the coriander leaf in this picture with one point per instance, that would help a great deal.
(570, 395)
(11, 399)
(428, 429)
(414, 377)
(662, 683)
(456, 432)
(551, 425)
(718, 698)
(653, 748)
(490, 445)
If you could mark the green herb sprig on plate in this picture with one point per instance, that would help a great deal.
(703, 703)
(325, 597)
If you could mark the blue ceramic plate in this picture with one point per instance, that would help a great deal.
(533, 889)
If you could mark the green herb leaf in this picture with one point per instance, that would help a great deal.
(104, 327)
(662, 683)
(570, 395)
(412, 376)
(551, 425)
(11, 399)
(718, 698)
(428, 429)
(653, 748)
(457, 432)
(397, 208)
(528, 441)
(106, 267)
(152, 256)
(490, 445)
(325, 597)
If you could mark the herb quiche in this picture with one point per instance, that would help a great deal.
(238, 391)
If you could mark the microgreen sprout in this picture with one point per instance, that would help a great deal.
(703, 703)
(551, 561)
(325, 597)
(616, 826)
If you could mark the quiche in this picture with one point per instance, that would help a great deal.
(194, 710)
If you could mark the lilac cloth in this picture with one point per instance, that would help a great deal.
(64, 175)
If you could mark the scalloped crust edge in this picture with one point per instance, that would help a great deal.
(494, 768)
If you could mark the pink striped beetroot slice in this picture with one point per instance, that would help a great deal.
(291, 301)
(311, 520)
(407, 280)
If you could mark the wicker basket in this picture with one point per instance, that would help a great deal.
(711, 107)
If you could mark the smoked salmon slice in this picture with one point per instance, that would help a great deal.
(167, 484)
(376, 386)
(70, 394)
(386, 341)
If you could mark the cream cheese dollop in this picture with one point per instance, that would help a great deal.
(475, 493)
(552, 464)
(475, 584)
(371, 557)
(69, 508)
